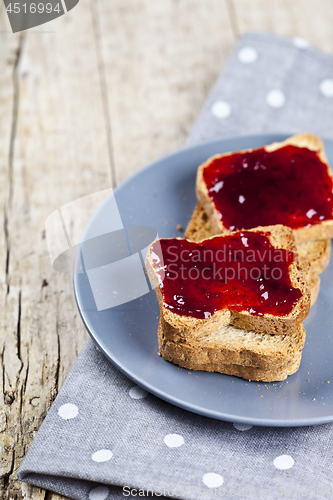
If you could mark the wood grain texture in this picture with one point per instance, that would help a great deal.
(55, 150)
(86, 101)
(160, 59)
(311, 20)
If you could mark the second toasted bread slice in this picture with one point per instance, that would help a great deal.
(286, 183)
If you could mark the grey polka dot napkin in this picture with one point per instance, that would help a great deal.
(106, 438)
(270, 84)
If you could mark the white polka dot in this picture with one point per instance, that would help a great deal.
(137, 392)
(221, 109)
(101, 455)
(284, 462)
(247, 55)
(99, 493)
(174, 440)
(276, 98)
(301, 43)
(212, 480)
(68, 411)
(326, 87)
(242, 427)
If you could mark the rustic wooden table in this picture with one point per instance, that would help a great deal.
(85, 101)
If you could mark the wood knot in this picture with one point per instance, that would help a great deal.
(34, 401)
(9, 398)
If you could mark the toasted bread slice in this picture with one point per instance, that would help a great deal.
(320, 230)
(317, 253)
(185, 356)
(280, 237)
(232, 345)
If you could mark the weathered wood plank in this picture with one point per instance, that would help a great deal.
(58, 152)
(9, 54)
(161, 59)
(116, 85)
(311, 20)
(61, 151)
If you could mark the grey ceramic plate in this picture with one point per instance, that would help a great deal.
(162, 196)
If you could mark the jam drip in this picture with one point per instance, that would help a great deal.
(239, 272)
(288, 186)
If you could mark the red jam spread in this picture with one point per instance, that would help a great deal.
(289, 186)
(239, 272)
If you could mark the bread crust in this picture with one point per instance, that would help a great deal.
(232, 345)
(317, 253)
(183, 356)
(314, 284)
(280, 237)
(248, 373)
(323, 230)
